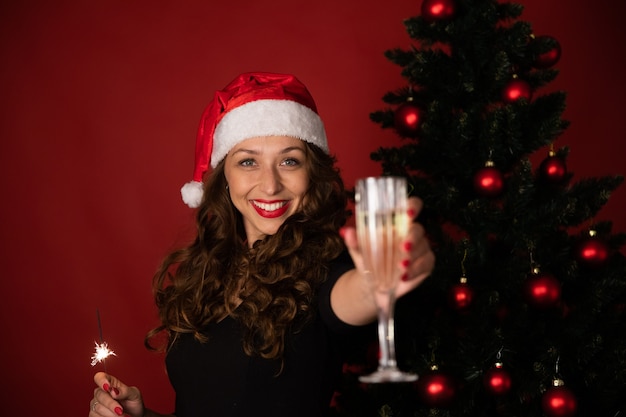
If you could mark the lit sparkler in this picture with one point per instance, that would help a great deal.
(102, 349)
(102, 352)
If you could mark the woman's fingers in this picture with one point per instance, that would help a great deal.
(103, 402)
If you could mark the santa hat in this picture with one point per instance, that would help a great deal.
(254, 104)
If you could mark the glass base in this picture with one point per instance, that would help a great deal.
(388, 375)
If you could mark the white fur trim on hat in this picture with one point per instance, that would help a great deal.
(192, 193)
(267, 118)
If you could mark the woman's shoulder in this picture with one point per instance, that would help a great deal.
(339, 266)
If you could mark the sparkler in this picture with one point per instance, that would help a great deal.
(102, 349)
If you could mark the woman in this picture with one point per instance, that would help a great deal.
(260, 308)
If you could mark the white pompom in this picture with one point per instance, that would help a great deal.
(192, 193)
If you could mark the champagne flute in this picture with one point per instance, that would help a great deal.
(382, 223)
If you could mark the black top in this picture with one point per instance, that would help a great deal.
(217, 379)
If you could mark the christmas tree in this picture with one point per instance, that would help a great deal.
(524, 312)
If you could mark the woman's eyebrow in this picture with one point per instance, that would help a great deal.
(249, 151)
(256, 152)
(292, 148)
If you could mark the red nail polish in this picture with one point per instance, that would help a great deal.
(408, 246)
(119, 411)
(411, 213)
(116, 391)
(405, 277)
(106, 387)
(405, 263)
(342, 232)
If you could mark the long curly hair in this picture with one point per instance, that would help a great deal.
(268, 288)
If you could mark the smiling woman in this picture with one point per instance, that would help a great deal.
(267, 180)
(101, 101)
(260, 309)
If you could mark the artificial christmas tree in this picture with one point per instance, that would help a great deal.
(539, 299)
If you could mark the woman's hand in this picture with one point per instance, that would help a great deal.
(112, 397)
(349, 297)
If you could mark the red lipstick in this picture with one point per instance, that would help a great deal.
(270, 209)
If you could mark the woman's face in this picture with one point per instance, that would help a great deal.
(267, 179)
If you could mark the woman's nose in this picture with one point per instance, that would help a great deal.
(270, 180)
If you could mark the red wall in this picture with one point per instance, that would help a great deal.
(100, 103)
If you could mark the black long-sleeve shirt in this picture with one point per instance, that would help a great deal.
(217, 379)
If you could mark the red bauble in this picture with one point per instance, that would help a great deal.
(553, 169)
(515, 90)
(437, 389)
(550, 57)
(407, 119)
(433, 10)
(592, 252)
(559, 402)
(488, 181)
(497, 380)
(542, 290)
(461, 296)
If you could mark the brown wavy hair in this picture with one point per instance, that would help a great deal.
(268, 288)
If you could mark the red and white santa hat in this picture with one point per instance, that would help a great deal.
(254, 104)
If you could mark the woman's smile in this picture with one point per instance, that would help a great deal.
(270, 209)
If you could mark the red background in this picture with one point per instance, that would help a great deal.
(100, 104)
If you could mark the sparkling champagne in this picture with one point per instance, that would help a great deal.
(382, 224)
(380, 236)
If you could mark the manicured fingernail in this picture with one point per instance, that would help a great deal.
(119, 411)
(405, 263)
(116, 391)
(405, 277)
(106, 387)
(342, 232)
(408, 246)
(411, 212)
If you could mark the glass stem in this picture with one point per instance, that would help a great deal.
(386, 339)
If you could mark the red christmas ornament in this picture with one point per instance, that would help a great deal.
(515, 90)
(551, 56)
(407, 119)
(553, 169)
(592, 252)
(488, 181)
(437, 389)
(433, 10)
(497, 380)
(542, 290)
(461, 295)
(559, 401)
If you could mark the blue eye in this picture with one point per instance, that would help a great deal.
(247, 162)
(291, 162)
